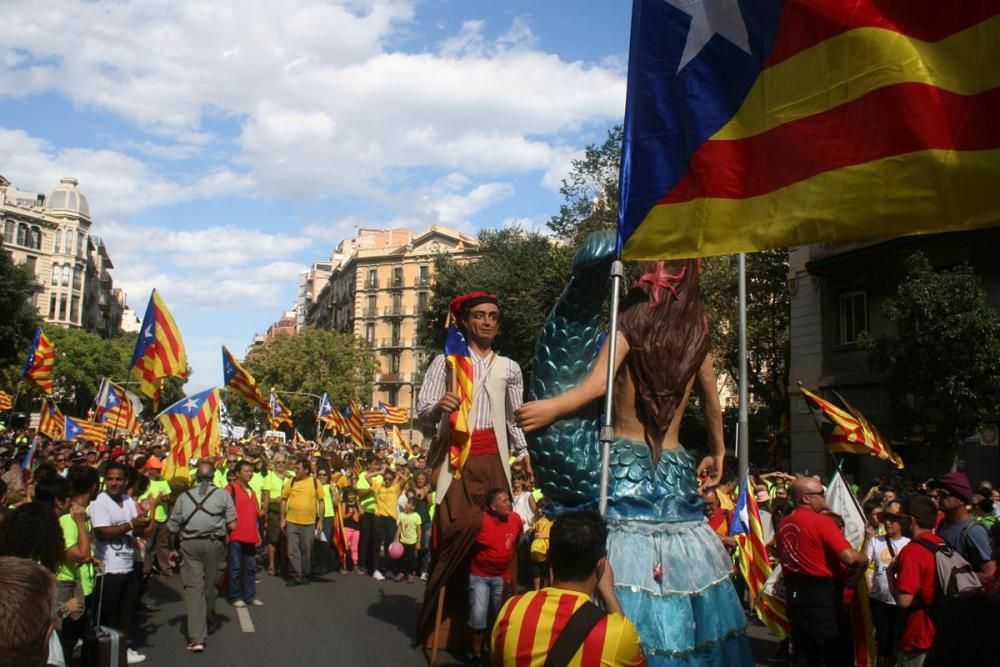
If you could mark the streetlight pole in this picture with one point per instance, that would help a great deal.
(319, 404)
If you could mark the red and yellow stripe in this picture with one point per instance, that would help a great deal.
(6, 401)
(51, 421)
(42, 363)
(869, 120)
(191, 437)
(165, 356)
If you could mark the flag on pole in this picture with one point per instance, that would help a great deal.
(754, 563)
(760, 125)
(352, 417)
(400, 445)
(192, 427)
(394, 415)
(845, 430)
(83, 429)
(279, 413)
(6, 401)
(459, 359)
(40, 363)
(159, 350)
(115, 408)
(239, 380)
(50, 421)
(325, 414)
(841, 500)
(374, 418)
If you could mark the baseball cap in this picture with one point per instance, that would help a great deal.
(154, 463)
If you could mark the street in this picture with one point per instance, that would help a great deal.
(340, 619)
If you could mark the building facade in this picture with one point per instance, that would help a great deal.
(51, 236)
(837, 292)
(378, 292)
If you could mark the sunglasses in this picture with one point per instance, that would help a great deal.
(821, 493)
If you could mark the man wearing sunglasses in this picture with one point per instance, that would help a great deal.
(952, 492)
(810, 548)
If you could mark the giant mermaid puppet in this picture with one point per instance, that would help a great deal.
(671, 571)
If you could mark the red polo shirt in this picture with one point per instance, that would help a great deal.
(495, 545)
(246, 515)
(808, 543)
(916, 575)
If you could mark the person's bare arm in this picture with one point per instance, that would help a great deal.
(987, 571)
(606, 590)
(710, 468)
(79, 552)
(535, 415)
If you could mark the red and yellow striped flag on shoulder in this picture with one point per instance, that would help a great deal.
(40, 363)
(159, 350)
(192, 426)
(755, 566)
(459, 360)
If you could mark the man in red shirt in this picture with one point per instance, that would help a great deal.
(243, 539)
(811, 548)
(913, 580)
(491, 558)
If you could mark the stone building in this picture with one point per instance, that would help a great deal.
(837, 292)
(378, 292)
(51, 236)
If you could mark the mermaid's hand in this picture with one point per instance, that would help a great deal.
(597, 249)
(535, 415)
(710, 471)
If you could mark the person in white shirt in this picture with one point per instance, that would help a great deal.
(881, 550)
(116, 521)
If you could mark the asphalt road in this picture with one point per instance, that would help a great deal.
(341, 619)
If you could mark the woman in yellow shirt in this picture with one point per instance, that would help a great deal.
(386, 491)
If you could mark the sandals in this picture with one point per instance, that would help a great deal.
(196, 647)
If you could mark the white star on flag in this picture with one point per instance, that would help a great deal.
(191, 405)
(709, 18)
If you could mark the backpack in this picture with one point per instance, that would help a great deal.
(955, 576)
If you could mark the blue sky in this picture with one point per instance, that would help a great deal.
(225, 146)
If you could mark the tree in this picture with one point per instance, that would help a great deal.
(590, 191)
(18, 319)
(312, 361)
(527, 272)
(942, 366)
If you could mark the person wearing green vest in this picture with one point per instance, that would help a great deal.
(159, 492)
(78, 567)
(368, 549)
(274, 484)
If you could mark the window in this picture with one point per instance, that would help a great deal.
(22, 234)
(425, 274)
(77, 277)
(58, 243)
(36, 238)
(81, 244)
(55, 274)
(52, 306)
(397, 275)
(370, 333)
(8, 231)
(62, 307)
(372, 277)
(853, 316)
(395, 333)
(393, 396)
(74, 313)
(65, 275)
(394, 362)
(372, 304)
(421, 301)
(397, 304)
(29, 264)
(68, 246)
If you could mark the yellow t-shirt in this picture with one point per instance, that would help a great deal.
(409, 528)
(302, 497)
(386, 497)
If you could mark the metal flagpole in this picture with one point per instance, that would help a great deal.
(607, 430)
(743, 453)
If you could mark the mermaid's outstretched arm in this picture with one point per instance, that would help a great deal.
(566, 453)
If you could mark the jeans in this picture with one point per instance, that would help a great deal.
(300, 546)
(485, 599)
(241, 558)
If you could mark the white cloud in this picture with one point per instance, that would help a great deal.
(113, 181)
(324, 104)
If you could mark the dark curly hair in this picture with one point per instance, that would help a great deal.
(32, 531)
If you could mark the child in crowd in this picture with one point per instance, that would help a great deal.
(409, 537)
(350, 511)
(540, 547)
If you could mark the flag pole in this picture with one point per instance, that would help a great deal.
(607, 430)
(743, 431)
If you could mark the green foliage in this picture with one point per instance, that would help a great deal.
(590, 191)
(18, 319)
(942, 366)
(768, 312)
(312, 361)
(527, 272)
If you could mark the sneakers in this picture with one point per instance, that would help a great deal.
(378, 576)
(239, 604)
(423, 576)
(134, 657)
(256, 603)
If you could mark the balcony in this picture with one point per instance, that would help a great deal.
(396, 311)
(371, 284)
(391, 378)
(397, 342)
(422, 281)
(370, 312)
(396, 282)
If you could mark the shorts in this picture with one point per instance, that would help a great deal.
(273, 527)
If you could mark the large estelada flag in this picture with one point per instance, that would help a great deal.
(755, 566)
(845, 430)
(40, 363)
(159, 350)
(116, 408)
(374, 418)
(393, 414)
(51, 422)
(192, 426)
(82, 429)
(239, 380)
(760, 124)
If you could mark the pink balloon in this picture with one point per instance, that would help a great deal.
(395, 550)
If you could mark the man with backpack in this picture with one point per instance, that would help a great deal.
(960, 531)
(559, 625)
(926, 571)
(202, 518)
(302, 509)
